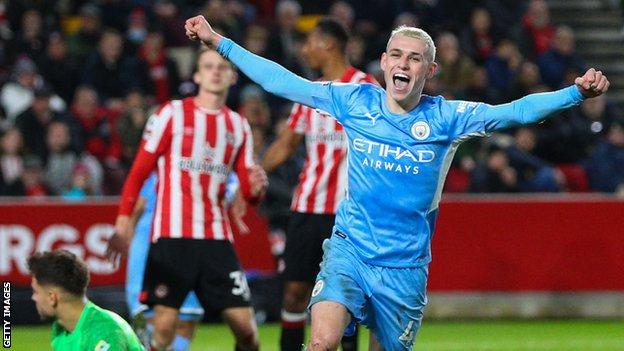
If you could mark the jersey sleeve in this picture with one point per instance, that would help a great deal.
(472, 118)
(331, 97)
(297, 120)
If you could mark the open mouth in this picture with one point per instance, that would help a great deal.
(400, 81)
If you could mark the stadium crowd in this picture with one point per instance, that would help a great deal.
(79, 79)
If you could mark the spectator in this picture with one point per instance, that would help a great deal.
(256, 39)
(533, 174)
(83, 43)
(30, 40)
(605, 166)
(570, 138)
(526, 81)
(17, 95)
(34, 122)
(61, 160)
(254, 107)
(494, 174)
(555, 63)
(110, 72)
(479, 89)
(130, 126)
(218, 12)
(479, 39)
(168, 15)
(163, 72)
(283, 38)
(456, 69)
(536, 32)
(59, 68)
(96, 132)
(502, 66)
(137, 30)
(32, 178)
(81, 186)
(11, 163)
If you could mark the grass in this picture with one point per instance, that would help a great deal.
(434, 336)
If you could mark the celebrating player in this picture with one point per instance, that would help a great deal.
(194, 143)
(59, 283)
(401, 144)
(322, 180)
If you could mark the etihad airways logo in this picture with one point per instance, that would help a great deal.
(392, 158)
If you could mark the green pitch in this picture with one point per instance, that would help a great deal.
(434, 336)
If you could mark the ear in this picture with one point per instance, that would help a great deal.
(53, 297)
(433, 67)
(196, 78)
(384, 61)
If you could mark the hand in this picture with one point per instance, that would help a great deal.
(119, 242)
(238, 210)
(592, 83)
(198, 28)
(258, 180)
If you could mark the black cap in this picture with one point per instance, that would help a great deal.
(43, 91)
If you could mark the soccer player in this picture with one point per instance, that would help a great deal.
(195, 143)
(401, 144)
(321, 183)
(191, 311)
(59, 283)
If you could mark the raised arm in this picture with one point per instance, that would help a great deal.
(270, 75)
(535, 107)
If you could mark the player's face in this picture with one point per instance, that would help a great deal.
(214, 74)
(313, 49)
(405, 67)
(45, 300)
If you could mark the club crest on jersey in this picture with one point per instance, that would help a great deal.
(318, 287)
(161, 291)
(421, 130)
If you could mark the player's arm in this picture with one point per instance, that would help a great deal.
(252, 178)
(270, 75)
(535, 107)
(281, 149)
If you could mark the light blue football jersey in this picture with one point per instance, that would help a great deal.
(397, 163)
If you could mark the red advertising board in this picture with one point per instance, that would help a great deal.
(524, 243)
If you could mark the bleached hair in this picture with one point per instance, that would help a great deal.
(415, 33)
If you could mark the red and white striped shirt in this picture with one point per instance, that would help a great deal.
(323, 179)
(194, 150)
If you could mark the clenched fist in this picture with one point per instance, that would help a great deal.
(592, 83)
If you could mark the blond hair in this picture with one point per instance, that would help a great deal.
(416, 33)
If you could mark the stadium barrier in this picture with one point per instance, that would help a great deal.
(493, 256)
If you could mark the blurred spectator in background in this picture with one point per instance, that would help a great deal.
(96, 131)
(110, 72)
(479, 89)
(555, 63)
(34, 122)
(217, 12)
(58, 68)
(168, 16)
(137, 30)
(494, 174)
(533, 174)
(256, 39)
(163, 71)
(61, 160)
(11, 163)
(503, 65)
(84, 42)
(254, 107)
(570, 138)
(32, 178)
(283, 38)
(30, 39)
(17, 95)
(536, 32)
(455, 68)
(81, 186)
(605, 166)
(526, 81)
(479, 39)
(130, 126)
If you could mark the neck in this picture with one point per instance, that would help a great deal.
(70, 312)
(211, 101)
(335, 67)
(405, 105)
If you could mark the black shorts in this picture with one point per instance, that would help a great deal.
(304, 245)
(209, 267)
